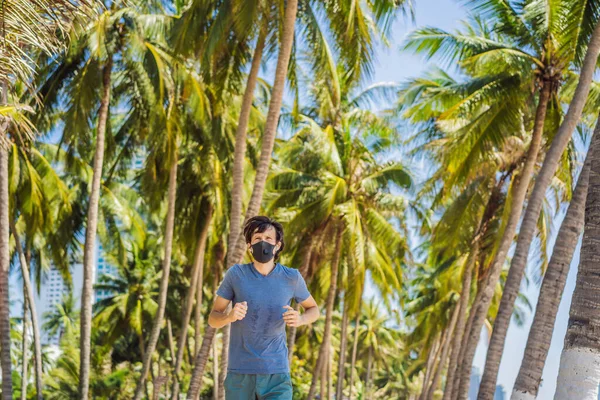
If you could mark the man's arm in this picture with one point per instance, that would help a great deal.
(219, 317)
(310, 315)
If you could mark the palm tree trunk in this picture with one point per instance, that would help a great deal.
(240, 146)
(142, 344)
(321, 359)
(152, 379)
(486, 291)
(519, 260)
(432, 355)
(270, 130)
(215, 371)
(164, 280)
(432, 370)
(369, 371)
(579, 371)
(209, 334)
(198, 315)
(323, 373)
(445, 350)
(330, 374)
(5, 361)
(37, 343)
(25, 350)
(200, 363)
(342, 357)
(226, 332)
(224, 359)
(462, 307)
(170, 341)
(519, 195)
(87, 292)
(468, 341)
(354, 351)
(540, 335)
(197, 271)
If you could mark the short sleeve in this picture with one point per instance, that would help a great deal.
(301, 292)
(225, 290)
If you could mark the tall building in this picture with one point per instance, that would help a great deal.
(474, 383)
(500, 394)
(102, 268)
(52, 290)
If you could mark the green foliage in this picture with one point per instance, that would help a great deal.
(343, 162)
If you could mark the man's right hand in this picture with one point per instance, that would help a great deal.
(238, 312)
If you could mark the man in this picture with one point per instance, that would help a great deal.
(261, 292)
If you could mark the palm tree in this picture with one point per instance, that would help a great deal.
(24, 29)
(354, 351)
(343, 354)
(64, 319)
(31, 305)
(446, 347)
(240, 141)
(540, 335)
(507, 48)
(534, 205)
(375, 336)
(324, 349)
(394, 381)
(132, 304)
(580, 351)
(166, 265)
(326, 175)
(120, 31)
(102, 55)
(462, 128)
(270, 129)
(202, 191)
(24, 357)
(38, 192)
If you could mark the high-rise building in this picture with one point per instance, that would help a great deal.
(52, 291)
(474, 383)
(500, 394)
(103, 267)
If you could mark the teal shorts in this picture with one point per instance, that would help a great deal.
(258, 386)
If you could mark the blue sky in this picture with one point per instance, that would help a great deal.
(396, 65)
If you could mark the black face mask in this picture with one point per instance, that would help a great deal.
(263, 251)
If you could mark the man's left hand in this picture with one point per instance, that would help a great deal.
(292, 317)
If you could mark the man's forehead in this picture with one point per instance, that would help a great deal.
(269, 229)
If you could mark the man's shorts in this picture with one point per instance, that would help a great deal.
(259, 386)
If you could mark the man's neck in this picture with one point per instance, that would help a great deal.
(266, 268)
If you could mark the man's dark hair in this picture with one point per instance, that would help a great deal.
(259, 224)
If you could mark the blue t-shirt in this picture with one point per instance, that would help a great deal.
(258, 342)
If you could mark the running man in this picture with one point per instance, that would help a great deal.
(261, 292)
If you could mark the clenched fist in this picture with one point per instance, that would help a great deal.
(292, 317)
(238, 312)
